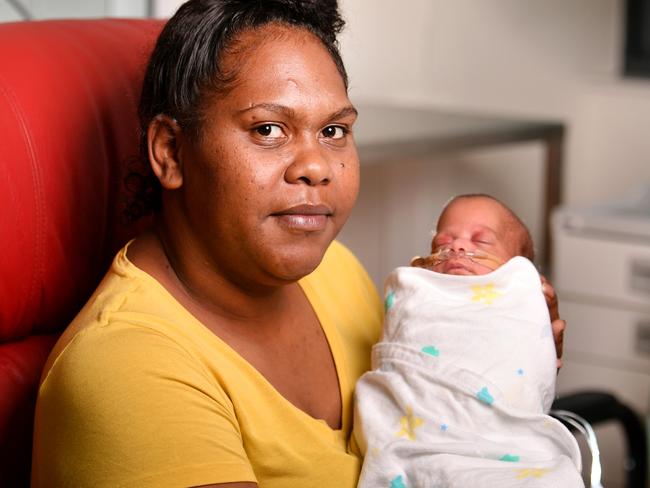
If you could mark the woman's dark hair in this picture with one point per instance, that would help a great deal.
(186, 65)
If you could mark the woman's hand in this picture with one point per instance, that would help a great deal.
(557, 324)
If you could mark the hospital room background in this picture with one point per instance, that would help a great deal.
(559, 64)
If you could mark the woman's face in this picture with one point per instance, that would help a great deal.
(275, 173)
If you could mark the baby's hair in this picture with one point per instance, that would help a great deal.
(526, 247)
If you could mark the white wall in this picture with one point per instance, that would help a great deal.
(49, 9)
(165, 8)
(552, 58)
(556, 59)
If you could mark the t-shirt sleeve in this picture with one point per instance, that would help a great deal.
(127, 406)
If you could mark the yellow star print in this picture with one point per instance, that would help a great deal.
(485, 293)
(531, 473)
(409, 423)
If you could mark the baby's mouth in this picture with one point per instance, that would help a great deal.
(458, 263)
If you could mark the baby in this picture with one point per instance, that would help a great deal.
(464, 376)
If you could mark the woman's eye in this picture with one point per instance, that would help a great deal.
(269, 130)
(334, 132)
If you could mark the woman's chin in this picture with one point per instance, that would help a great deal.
(296, 263)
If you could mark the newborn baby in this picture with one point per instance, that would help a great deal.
(464, 376)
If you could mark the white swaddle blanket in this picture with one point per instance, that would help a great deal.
(460, 386)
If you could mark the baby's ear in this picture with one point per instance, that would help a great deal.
(163, 136)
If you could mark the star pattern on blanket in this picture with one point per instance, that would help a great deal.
(485, 293)
(531, 473)
(409, 423)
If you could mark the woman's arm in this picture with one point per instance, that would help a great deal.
(126, 405)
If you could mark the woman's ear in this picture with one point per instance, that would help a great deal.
(163, 138)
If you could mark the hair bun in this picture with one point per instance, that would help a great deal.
(322, 15)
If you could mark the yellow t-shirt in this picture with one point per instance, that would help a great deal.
(139, 393)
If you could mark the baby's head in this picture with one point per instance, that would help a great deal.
(477, 233)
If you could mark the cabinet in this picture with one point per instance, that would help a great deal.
(601, 270)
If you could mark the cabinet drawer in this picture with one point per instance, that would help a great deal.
(631, 388)
(614, 271)
(614, 338)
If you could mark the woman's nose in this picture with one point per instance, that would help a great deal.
(310, 166)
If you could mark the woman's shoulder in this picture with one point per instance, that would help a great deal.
(145, 396)
(129, 308)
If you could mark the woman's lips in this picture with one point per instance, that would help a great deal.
(304, 218)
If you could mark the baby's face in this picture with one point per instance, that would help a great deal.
(473, 225)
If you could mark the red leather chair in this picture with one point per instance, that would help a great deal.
(68, 135)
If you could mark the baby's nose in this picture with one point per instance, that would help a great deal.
(460, 245)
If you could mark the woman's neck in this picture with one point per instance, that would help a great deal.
(200, 285)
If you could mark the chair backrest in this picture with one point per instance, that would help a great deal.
(68, 137)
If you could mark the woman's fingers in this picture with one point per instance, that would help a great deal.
(558, 327)
(557, 324)
(551, 298)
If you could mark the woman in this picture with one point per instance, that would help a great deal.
(223, 347)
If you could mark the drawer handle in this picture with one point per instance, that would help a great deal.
(643, 338)
(640, 276)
